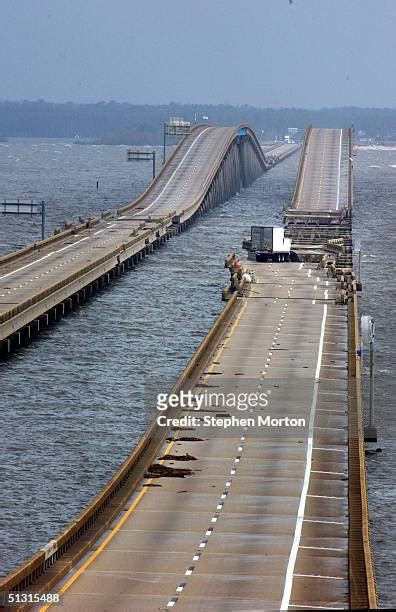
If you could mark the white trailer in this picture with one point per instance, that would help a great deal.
(270, 244)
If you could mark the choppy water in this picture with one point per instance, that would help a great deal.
(375, 222)
(74, 402)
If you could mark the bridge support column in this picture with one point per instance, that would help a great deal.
(242, 165)
(28, 332)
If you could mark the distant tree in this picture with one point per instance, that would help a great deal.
(142, 124)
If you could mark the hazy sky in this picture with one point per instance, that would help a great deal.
(311, 53)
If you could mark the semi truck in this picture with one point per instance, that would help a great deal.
(270, 244)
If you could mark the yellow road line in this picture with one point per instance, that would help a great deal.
(127, 514)
(221, 349)
(117, 527)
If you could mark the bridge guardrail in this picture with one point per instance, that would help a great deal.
(4, 317)
(106, 506)
(297, 187)
(350, 175)
(39, 244)
(363, 593)
(24, 306)
(199, 199)
(194, 206)
(123, 209)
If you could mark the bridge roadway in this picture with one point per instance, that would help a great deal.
(262, 521)
(182, 181)
(183, 177)
(266, 517)
(272, 151)
(324, 173)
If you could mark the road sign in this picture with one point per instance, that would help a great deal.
(141, 155)
(24, 207)
(20, 207)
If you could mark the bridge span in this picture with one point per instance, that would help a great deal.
(41, 282)
(325, 171)
(251, 516)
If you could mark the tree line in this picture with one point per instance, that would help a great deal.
(114, 122)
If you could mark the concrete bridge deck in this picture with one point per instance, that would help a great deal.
(262, 521)
(324, 172)
(36, 280)
(267, 515)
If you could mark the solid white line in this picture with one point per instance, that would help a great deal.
(316, 607)
(42, 258)
(333, 411)
(70, 245)
(325, 522)
(320, 576)
(304, 492)
(176, 169)
(336, 450)
(27, 265)
(325, 496)
(339, 173)
(322, 332)
(323, 548)
(323, 472)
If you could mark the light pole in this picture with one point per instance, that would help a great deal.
(367, 340)
(42, 219)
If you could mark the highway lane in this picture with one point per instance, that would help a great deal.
(261, 523)
(180, 184)
(189, 174)
(325, 171)
(280, 150)
(183, 182)
(61, 261)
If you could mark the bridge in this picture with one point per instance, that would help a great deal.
(220, 511)
(43, 281)
(324, 182)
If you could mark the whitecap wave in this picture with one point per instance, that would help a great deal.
(375, 147)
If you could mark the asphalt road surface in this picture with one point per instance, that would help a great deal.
(325, 171)
(261, 523)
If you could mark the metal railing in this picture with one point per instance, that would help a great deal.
(362, 585)
(301, 165)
